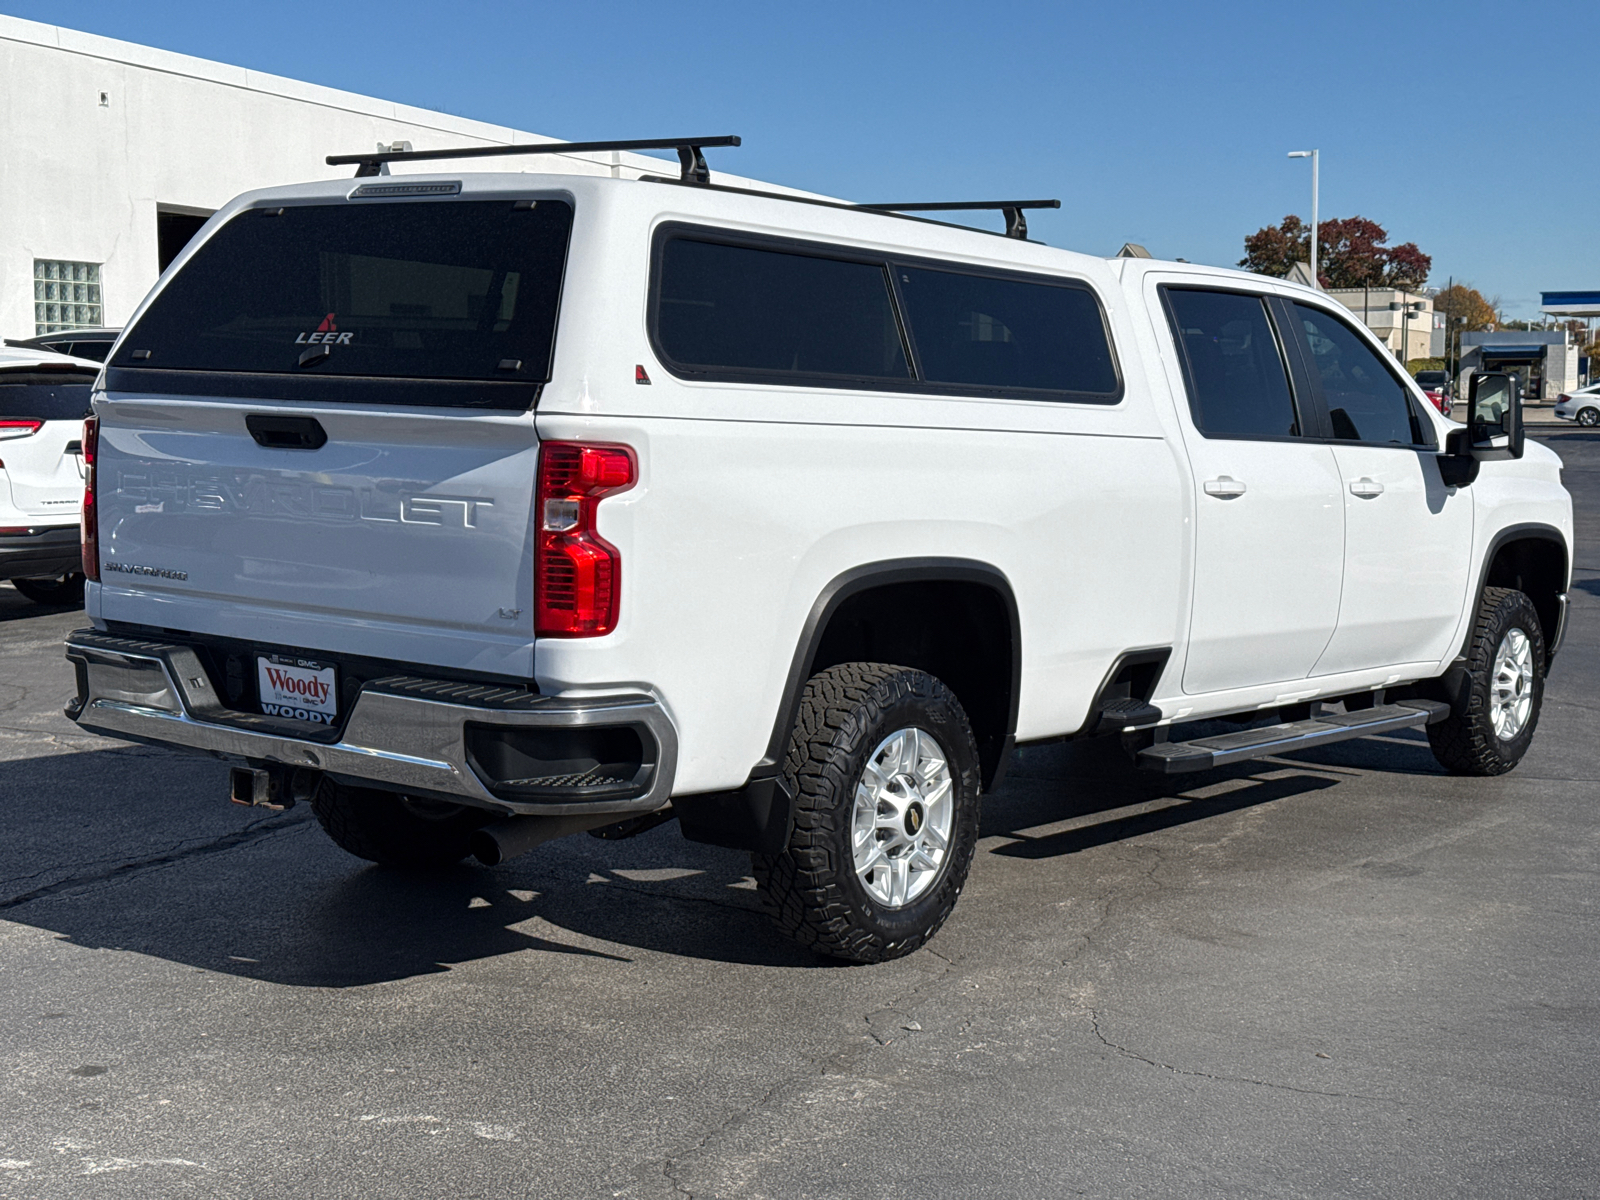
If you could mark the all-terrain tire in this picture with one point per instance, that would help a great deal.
(60, 592)
(396, 831)
(811, 889)
(1466, 742)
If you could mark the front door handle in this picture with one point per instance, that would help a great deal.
(1366, 488)
(1224, 487)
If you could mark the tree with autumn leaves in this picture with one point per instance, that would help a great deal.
(1351, 253)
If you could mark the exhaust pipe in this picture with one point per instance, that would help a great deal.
(494, 844)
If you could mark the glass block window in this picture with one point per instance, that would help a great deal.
(66, 295)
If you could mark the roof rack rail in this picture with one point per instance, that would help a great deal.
(690, 158)
(1016, 224)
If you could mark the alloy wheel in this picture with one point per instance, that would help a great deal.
(1511, 686)
(902, 817)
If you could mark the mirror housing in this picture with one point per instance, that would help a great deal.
(1494, 417)
(1494, 428)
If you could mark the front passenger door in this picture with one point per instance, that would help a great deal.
(1408, 537)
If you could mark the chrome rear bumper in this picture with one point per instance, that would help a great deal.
(403, 733)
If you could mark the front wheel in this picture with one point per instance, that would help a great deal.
(1490, 732)
(59, 591)
(885, 776)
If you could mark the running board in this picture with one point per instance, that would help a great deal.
(1172, 758)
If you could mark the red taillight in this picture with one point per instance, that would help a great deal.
(1563, 398)
(88, 523)
(12, 428)
(577, 575)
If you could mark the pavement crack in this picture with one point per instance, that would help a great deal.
(250, 833)
(1094, 1023)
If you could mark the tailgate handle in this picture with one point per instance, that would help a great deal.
(286, 433)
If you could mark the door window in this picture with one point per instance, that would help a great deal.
(1366, 400)
(1238, 386)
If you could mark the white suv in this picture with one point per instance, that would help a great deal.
(481, 508)
(44, 398)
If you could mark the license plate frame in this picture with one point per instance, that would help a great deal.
(298, 689)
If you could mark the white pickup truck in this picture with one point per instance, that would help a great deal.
(480, 508)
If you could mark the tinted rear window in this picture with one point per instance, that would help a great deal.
(745, 309)
(831, 316)
(447, 290)
(1000, 333)
(45, 396)
(1238, 386)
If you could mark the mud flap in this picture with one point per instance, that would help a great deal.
(757, 817)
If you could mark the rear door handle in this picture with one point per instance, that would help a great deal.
(1224, 487)
(1366, 488)
(286, 433)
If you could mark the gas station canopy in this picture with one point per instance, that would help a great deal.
(1571, 304)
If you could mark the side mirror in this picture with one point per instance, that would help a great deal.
(1494, 417)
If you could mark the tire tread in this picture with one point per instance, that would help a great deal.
(802, 886)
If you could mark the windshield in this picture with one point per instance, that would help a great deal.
(463, 290)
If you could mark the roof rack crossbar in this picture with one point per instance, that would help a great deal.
(690, 158)
(1016, 223)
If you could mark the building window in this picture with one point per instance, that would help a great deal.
(66, 295)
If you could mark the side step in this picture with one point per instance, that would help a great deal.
(1202, 754)
(1118, 715)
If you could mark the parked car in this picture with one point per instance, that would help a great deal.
(1436, 387)
(798, 519)
(92, 344)
(1582, 406)
(44, 399)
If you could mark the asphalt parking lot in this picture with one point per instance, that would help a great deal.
(1338, 974)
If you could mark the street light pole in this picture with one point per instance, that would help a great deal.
(1314, 156)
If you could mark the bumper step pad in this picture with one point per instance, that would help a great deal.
(1201, 754)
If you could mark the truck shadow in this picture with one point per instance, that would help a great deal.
(1064, 799)
(136, 850)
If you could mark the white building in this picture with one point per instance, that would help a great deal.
(1544, 359)
(1397, 316)
(116, 153)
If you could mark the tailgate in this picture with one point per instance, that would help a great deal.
(41, 431)
(402, 536)
(318, 431)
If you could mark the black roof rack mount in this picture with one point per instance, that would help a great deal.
(690, 158)
(1016, 224)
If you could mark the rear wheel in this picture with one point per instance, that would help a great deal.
(885, 775)
(1490, 733)
(1590, 417)
(62, 590)
(397, 831)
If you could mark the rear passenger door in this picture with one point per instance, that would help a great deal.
(1269, 514)
(1408, 537)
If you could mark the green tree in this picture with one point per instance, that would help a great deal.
(1351, 252)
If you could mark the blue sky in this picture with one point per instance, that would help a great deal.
(1458, 126)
